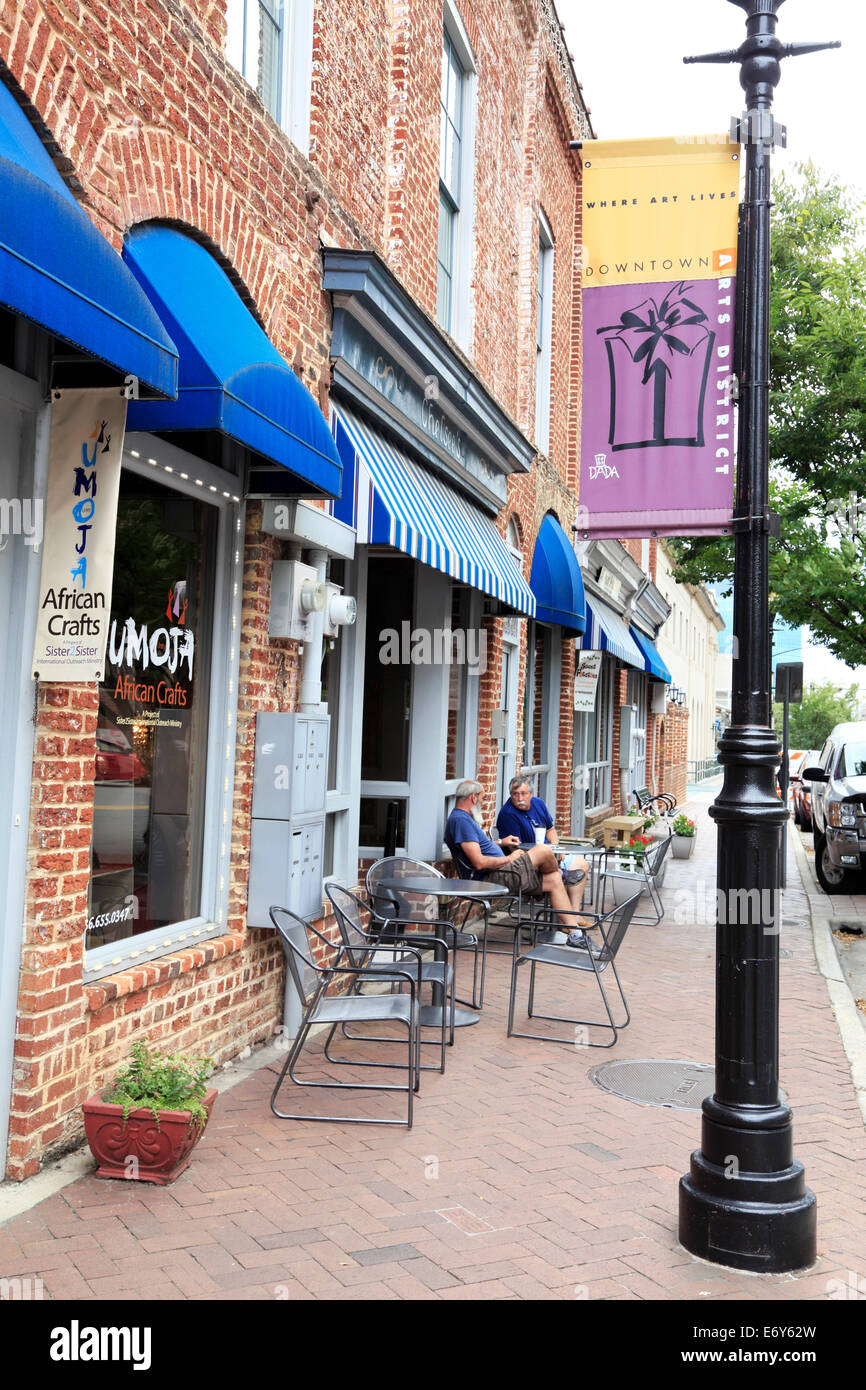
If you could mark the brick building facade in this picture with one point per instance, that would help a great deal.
(148, 121)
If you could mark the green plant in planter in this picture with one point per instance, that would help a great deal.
(156, 1081)
(683, 826)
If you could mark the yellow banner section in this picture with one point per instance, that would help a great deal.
(657, 210)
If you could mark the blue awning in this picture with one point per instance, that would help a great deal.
(556, 580)
(59, 272)
(607, 632)
(231, 377)
(652, 661)
(395, 501)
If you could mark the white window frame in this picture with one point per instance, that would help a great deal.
(295, 80)
(544, 333)
(146, 455)
(460, 321)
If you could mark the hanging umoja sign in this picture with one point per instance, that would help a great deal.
(80, 518)
(659, 265)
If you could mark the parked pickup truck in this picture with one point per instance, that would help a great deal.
(839, 807)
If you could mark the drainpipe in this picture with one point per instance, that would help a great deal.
(311, 670)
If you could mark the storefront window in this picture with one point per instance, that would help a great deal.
(387, 677)
(148, 819)
(458, 676)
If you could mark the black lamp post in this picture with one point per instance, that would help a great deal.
(745, 1202)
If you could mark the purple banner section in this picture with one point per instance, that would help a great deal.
(657, 449)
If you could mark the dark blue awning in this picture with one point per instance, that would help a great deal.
(652, 661)
(556, 580)
(231, 377)
(58, 271)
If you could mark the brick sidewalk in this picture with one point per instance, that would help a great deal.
(521, 1178)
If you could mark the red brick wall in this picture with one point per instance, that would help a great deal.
(151, 121)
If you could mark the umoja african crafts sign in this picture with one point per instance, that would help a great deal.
(80, 519)
(659, 263)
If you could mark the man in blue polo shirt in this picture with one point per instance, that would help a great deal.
(522, 815)
(479, 856)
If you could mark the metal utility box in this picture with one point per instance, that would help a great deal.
(287, 838)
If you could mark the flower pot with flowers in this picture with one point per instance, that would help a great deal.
(146, 1122)
(684, 837)
(625, 873)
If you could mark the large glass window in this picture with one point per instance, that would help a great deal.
(271, 43)
(456, 158)
(543, 334)
(450, 174)
(387, 688)
(592, 750)
(151, 737)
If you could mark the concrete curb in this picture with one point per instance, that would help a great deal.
(18, 1197)
(846, 1013)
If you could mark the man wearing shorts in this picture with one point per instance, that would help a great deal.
(536, 869)
(522, 815)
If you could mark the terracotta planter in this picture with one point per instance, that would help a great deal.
(141, 1149)
(683, 846)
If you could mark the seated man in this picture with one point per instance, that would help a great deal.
(536, 869)
(522, 815)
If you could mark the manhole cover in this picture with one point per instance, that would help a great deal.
(678, 1085)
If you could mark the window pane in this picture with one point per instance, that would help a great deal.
(387, 683)
(268, 74)
(374, 819)
(445, 253)
(148, 818)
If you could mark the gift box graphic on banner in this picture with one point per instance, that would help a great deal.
(659, 358)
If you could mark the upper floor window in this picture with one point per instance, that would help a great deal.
(456, 141)
(271, 43)
(543, 334)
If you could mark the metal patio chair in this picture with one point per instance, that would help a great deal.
(301, 942)
(650, 867)
(588, 961)
(367, 937)
(416, 907)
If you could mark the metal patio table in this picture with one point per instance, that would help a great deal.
(473, 888)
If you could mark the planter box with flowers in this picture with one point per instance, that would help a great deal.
(145, 1124)
(624, 875)
(684, 837)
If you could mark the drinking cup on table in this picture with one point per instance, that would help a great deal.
(540, 835)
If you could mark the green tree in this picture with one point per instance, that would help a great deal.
(823, 706)
(817, 423)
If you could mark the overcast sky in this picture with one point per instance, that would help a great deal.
(628, 55)
(629, 58)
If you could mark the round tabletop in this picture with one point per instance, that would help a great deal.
(444, 887)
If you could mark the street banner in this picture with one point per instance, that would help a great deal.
(659, 264)
(87, 430)
(586, 679)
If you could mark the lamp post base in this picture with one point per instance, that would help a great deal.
(765, 1222)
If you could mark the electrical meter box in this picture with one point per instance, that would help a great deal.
(287, 834)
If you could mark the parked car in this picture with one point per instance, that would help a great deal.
(839, 806)
(801, 790)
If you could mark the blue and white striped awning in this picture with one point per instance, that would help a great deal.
(606, 631)
(390, 500)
